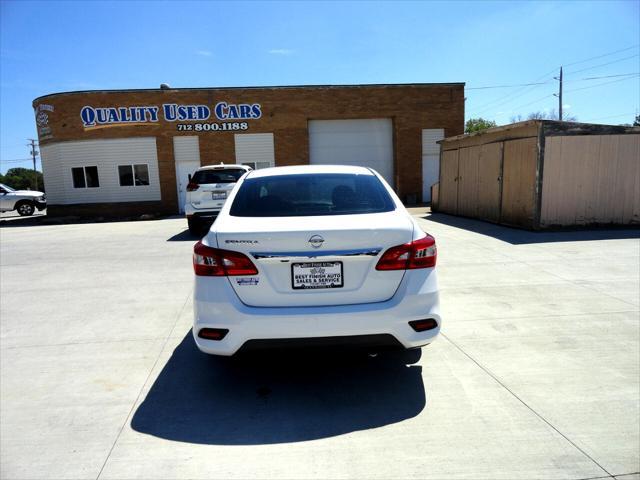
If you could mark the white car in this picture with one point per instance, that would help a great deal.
(207, 191)
(24, 202)
(314, 255)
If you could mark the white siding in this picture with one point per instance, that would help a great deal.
(366, 143)
(186, 149)
(58, 159)
(255, 148)
(430, 160)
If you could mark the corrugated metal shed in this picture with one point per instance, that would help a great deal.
(543, 174)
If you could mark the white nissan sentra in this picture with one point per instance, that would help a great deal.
(316, 255)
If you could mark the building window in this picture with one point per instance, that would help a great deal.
(257, 165)
(85, 177)
(133, 175)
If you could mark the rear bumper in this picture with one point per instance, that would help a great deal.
(213, 212)
(203, 215)
(216, 305)
(382, 341)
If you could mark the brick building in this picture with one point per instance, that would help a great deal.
(125, 152)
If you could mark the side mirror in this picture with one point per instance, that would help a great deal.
(189, 177)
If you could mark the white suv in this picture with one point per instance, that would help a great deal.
(24, 202)
(314, 255)
(207, 191)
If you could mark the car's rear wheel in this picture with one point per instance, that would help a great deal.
(25, 209)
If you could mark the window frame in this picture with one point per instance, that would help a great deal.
(84, 174)
(254, 164)
(133, 174)
(243, 198)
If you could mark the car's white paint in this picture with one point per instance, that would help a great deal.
(290, 235)
(9, 198)
(200, 201)
(371, 302)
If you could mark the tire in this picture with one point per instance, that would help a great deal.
(25, 209)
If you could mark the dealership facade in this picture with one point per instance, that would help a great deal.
(128, 152)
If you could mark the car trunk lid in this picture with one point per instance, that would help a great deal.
(315, 261)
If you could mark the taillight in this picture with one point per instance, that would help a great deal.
(423, 325)
(420, 253)
(192, 187)
(213, 333)
(214, 262)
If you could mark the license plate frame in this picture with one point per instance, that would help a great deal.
(217, 195)
(308, 285)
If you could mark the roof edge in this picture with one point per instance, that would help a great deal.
(265, 87)
(527, 123)
(501, 128)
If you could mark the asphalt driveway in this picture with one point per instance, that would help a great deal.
(536, 374)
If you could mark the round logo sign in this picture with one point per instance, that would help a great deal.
(316, 241)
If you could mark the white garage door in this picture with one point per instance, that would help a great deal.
(255, 149)
(368, 143)
(430, 160)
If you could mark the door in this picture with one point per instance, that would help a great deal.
(448, 201)
(366, 143)
(186, 153)
(430, 160)
(519, 182)
(468, 165)
(255, 150)
(489, 181)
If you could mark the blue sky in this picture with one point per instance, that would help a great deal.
(51, 46)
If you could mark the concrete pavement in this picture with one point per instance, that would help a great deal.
(536, 374)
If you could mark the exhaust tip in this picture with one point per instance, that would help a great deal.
(423, 325)
(213, 333)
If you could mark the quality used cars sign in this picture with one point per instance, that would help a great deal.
(96, 117)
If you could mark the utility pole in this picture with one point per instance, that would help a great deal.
(559, 95)
(34, 152)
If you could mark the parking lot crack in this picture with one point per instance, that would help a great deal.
(144, 384)
(529, 407)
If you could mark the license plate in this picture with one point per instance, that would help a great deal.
(218, 195)
(313, 275)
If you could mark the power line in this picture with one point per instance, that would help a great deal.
(603, 55)
(528, 89)
(612, 116)
(600, 84)
(603, 64)
(608, 76)
(534, 101)
(511, 96)
(505, 86)
(566, 91)
(545, 83)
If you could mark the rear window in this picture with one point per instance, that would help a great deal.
(311, 194)
(223, 175)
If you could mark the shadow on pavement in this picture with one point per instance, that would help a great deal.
(185, 236)
(278, 397)
(14, 220)
(516, 236)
